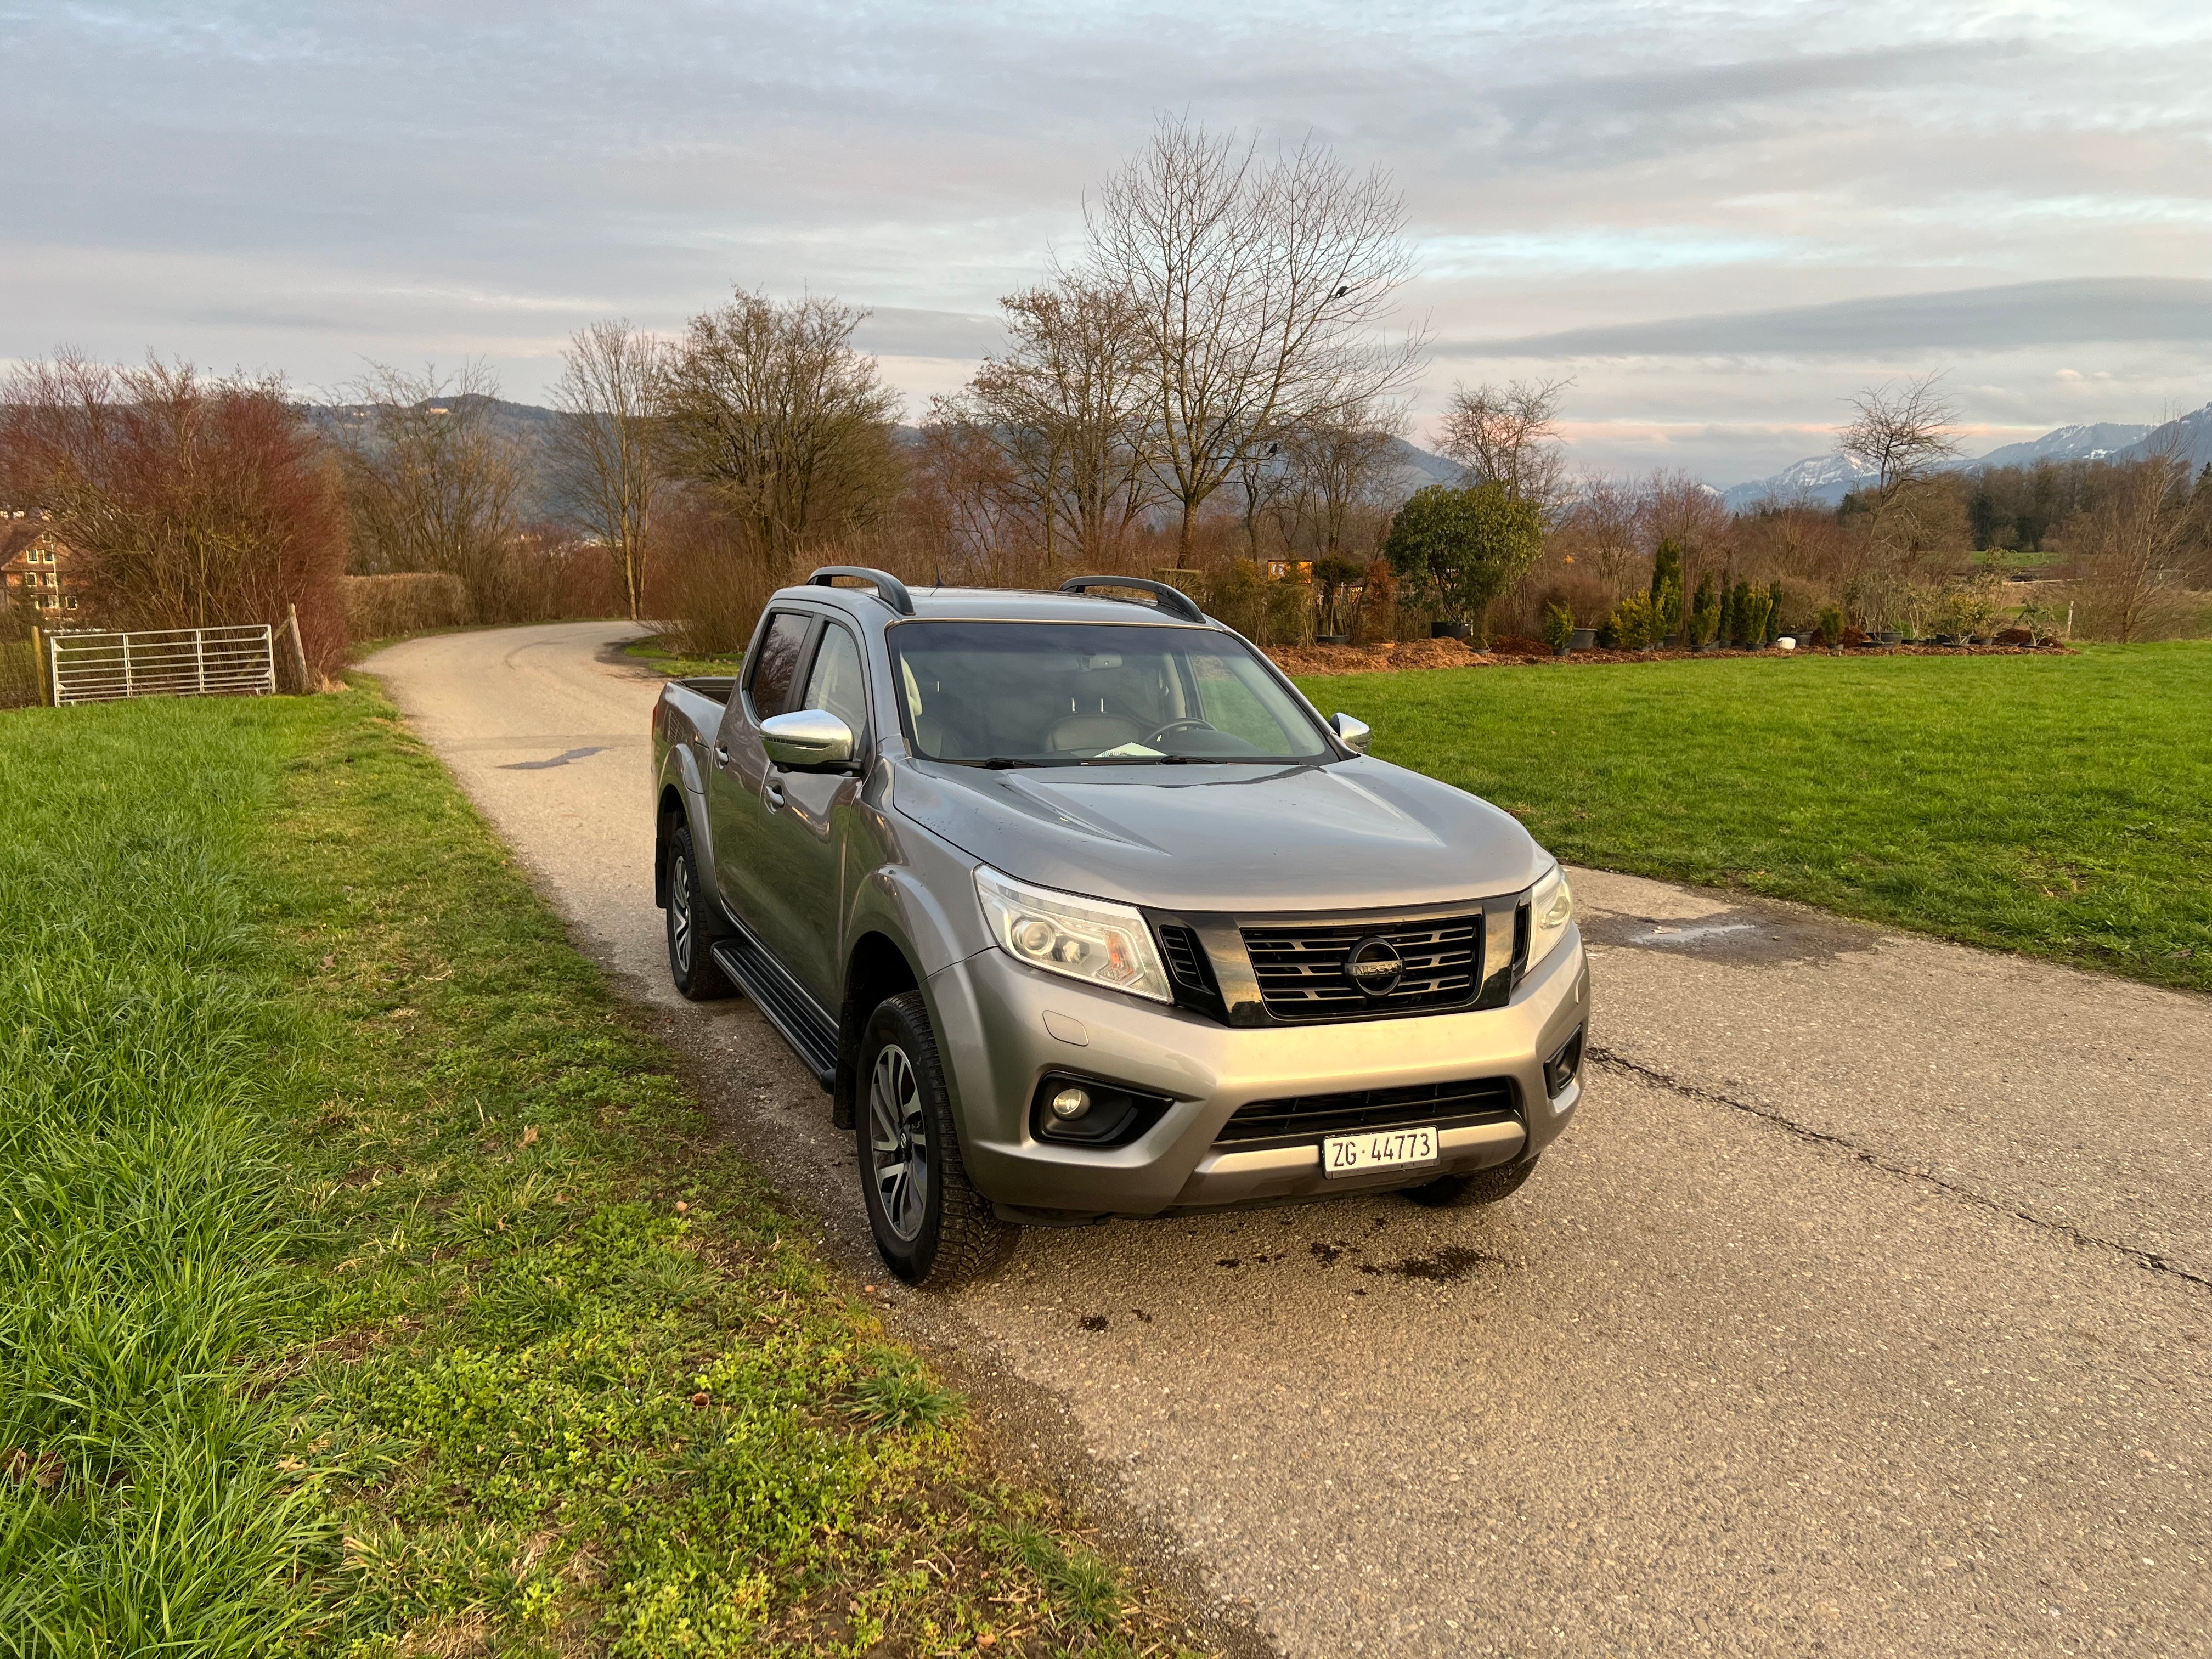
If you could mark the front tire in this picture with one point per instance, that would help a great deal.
(931, 1225)
(1475, 1188)
(692, 925)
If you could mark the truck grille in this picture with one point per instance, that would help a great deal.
(1308, 1117)
(1300, 967)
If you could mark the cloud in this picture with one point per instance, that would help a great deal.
(304, 187)
(2062, 312)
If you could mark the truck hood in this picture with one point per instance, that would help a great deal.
(1350, 835)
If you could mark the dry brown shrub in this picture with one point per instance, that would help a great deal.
(187, 500)
(413, 601)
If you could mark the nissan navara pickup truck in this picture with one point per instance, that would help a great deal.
(1077, 909)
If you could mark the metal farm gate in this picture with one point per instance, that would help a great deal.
(169, 662)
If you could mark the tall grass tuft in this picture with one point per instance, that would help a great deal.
(142, 1226)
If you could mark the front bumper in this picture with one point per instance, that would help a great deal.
(993, 1017)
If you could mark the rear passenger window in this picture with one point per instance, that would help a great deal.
(833, 685)
(775, 664)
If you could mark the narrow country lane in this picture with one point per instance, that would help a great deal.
(1866, 1309)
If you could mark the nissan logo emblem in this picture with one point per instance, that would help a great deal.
(1374, 967)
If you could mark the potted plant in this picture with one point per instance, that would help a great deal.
(1704, 622)
(1559, 629)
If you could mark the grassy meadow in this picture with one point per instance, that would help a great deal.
(369, 1286)
(2059, 805)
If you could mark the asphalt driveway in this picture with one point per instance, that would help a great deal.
(1867, 1308)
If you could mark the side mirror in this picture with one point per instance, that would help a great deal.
(807, 740)
(1352, 733)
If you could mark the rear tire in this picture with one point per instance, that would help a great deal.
(1475, 1188)
(693, 925)
(931, 1227)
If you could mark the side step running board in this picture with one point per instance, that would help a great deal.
(789, 1009)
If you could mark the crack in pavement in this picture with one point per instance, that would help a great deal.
(2149, 1260)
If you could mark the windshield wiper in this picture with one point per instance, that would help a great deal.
(1002, 763)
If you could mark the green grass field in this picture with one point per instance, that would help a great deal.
(2057, 806)
(370, 1287)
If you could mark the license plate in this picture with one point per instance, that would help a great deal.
(1377, 1149)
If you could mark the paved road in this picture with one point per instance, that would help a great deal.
(1868, 1308)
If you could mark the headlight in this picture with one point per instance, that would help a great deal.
(1551, 907)
(1090, 940)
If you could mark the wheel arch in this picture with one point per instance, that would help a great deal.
(876, 967)
(667, 816)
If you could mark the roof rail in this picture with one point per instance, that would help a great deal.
(1173, 600)
(889, 588)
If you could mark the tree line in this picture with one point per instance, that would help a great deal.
(1216, 386)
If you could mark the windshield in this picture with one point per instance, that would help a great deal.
(1059, 694)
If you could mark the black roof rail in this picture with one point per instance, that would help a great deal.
(889, 588)
(1173, 600)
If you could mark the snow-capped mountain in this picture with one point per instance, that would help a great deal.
(1823, 478)
(1826, 479)
(2189, 438)
(2069, 443)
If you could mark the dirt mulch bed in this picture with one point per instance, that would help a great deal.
(1457, 654)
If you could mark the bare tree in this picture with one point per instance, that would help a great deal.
(1336, 468)
(603, 462)
(1605, 522)
(1260, 286)
(1901, 433)
(435, 485)
(2139, 535)
(1067, 402)
(1510, 435)
(767, 405)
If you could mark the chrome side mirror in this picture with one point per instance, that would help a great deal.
(1352, 733)
(807, 740)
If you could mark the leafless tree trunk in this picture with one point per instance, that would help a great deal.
(434, 486)
(767, 406)
(1260, 286)
(1510, 435)
(603, 466)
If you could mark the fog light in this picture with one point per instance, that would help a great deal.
(1070, 1103)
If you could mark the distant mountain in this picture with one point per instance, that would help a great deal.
(1826, 479)
(2190, 438)
(2068, 443)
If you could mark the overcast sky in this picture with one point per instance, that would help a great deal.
(1717, 218)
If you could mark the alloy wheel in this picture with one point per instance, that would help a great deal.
(898, 1143)
(680, 915)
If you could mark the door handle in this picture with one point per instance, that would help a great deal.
(722, 755)
(775, 792)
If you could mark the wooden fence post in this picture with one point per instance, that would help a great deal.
(38, 664)
(299, 651)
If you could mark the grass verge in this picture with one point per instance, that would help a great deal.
(369, 1286)
(658, 652)
(2057, 806)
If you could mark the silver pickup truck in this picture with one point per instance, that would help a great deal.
(1077, 909)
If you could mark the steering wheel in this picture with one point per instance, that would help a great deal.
(1186, 724)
